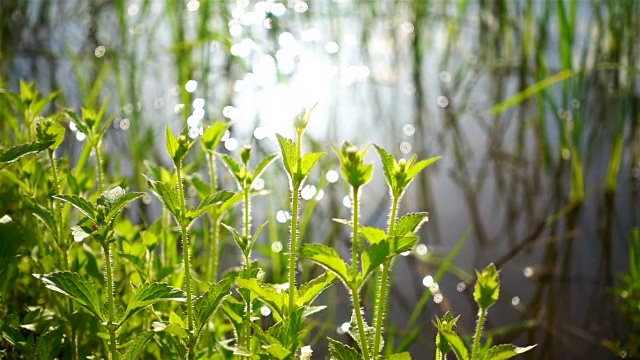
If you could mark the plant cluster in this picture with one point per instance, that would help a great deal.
(154, 291)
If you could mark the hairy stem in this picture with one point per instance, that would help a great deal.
(293, 245)
(186, 247)
(381, 293)
(355, 296)
(110, 300)
(355, 245)
(215, 245)
(214, 234)
(476, 338)
(247, 265)
(358, 310)
(96, 149)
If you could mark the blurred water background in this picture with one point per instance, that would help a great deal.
(534, 106)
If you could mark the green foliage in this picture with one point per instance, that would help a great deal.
(487, 287)
(145, 287)
(354, 170)
(486, 294)
(81, 289)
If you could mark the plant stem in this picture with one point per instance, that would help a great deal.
(354, 272)
(355, 243)
(215, 222)
(358, 310)
(293, 245)
(215, 245)
(185, 248)
(96, 149)
(65, 255)
(110, 299)
(382, 289)
(476, 338)
(247, 264)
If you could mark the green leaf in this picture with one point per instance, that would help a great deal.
(84, 206)
(77, 287)
(376, 254)
(207, 304)
(400, 244)
(328, 258)
(137, 345)
(415, 169)
(311, 289)
(149, 294)
(262, 166)
(234, 168)
(308, 161)
(340, 351)
(171, 143)
(276, 351)
(369, 333)
(399, 356)
(388, 165)
(213, 135)
(167, 195)
(49, 344)
(456, 344)
(116, 199)
(501, 352)
(79, 234)
(289, 156)
(210, 201)
(487, 287)
(447, 323)
(255, 235)
(239, 239)
(16, 152)
(266, 292)
(373, 234)
(410, 223)
(45, 216)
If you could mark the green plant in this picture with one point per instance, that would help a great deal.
(628, 294)
(485, 294)
(157, 296)
(198, 313)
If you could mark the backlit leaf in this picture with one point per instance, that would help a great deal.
(149, 294)
(84, 206)
(170, 142)
(234, 168)
(240, 240)
(328, 258)
(373, 234)
(262, 166)
(289, 155)
(16, 152)
(308, 161)
(79, 288)
(118, 203)
(455, 343)
(415, 169)
(167, 195)
(210, 201)
(207, 304)
(502, 352)
(410, 223)
(266, 292)
(213, 135)
(487, 287)
(340, 351)
(136, 346)
(311, 289)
